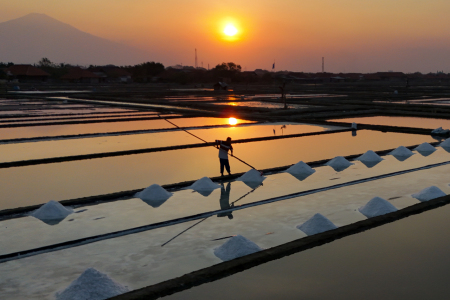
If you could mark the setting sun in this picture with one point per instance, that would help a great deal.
(232, 121)
(230, 30)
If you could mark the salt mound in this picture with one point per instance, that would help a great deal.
(155, 195)
(429, 193)
(92, 285)
(236, 247)
(377, 207)
(401, 153)
(445, 143)
(204, 186)
(301, 168)
(437, 130)
(339, 163)
(370, 159)
(317, 224)
(52, 210)
(370, 156)
(440, 131)
(425, 147)
(252, 176)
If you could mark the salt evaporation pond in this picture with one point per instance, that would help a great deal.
(89, 115)
(261, 104)
(105, 119)
(128, 259)
(399, 121)
(59, 148)
(107, 217)
(394, 271)
(36, 184)
(55, 130)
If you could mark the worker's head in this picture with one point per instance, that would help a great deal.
(228, 139)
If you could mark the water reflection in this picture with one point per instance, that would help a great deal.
(425, 153)
(225, 201)
(370, 164)
(399, 121)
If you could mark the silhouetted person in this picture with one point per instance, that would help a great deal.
(224, 147)
(283, 95)
(225, 201)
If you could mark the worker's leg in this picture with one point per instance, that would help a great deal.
(222, 164)
(227, 166)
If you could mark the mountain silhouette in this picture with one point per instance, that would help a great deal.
(34, 36)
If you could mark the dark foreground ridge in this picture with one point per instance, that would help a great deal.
(240, 264)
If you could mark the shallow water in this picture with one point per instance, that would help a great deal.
(410, 262)
(139, 260)
(55, 130)
(134, 212)
(399, 121)
(262, 104)
(58, 181)
(70, 116)
(92, 119)
(48, 149)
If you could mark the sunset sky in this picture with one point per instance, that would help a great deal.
(352, 35)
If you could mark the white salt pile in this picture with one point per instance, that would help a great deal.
(92, 285)
(300, 168)
(370, 159)
(316, 224)
(437, 130)
(440, 131)
(252, 176)
(370, 156)
(377, 207)
(204, 186)
(429, 193)
(339, 163)
(155, 195)
(401, 153)
(445, 143)
(425, 147)
(236, 247)
(52, 210)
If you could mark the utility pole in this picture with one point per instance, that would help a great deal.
(323, 64)
(196, 66)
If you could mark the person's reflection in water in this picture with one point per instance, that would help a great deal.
(225, 201)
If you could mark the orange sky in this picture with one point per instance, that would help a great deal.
(353, 35)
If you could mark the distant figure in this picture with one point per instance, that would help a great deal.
(274, 132)
(224, 147)
(225, 201)
(283, 95)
